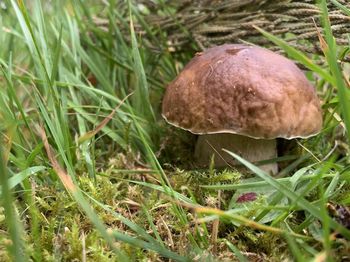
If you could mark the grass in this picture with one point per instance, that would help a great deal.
(90, 171)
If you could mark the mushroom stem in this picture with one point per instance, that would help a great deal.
(250, 149)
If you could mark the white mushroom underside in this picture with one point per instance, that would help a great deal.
(251, 149)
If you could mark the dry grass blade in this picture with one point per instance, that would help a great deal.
(234, 217)
(66, 179)
(215, 228)
(104, 122)
(8, 142)
(70, 186)
(245, 221)
(86, 182)
(323, 43)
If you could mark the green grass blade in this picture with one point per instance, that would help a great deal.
(248, 185)
(294, 248)
(141, 98)
(343, 91)
(298, 56)
(341, 7)
(295, 198)
(145, 245)
(19, 177)
(149, 244)
(15, 229)
(236, 251)
(150, 220)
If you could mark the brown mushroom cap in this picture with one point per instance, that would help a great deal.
(243, 90)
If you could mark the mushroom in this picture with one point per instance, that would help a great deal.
(242, 98)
